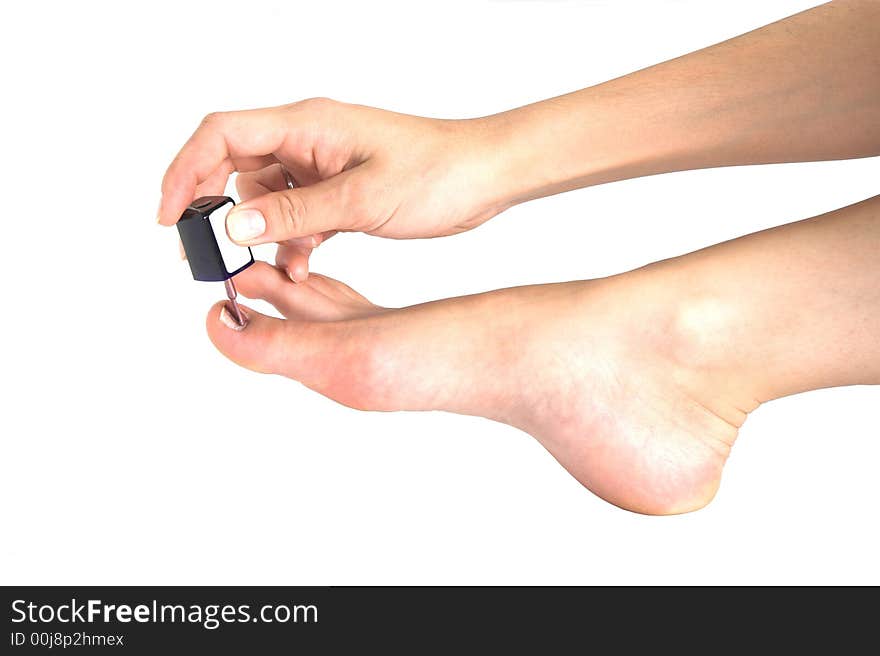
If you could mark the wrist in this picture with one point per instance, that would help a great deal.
(480, 158)
(553, 146)
(530, 152)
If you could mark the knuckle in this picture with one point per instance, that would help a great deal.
(317, 104)
(291, 214)
(212, 120)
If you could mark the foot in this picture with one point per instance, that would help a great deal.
(622, 381)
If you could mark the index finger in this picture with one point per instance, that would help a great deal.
(224, 142)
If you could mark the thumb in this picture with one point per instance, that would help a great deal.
(292, 213)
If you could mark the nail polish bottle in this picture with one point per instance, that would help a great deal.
(211, 254)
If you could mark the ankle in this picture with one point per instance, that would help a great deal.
(704, 342)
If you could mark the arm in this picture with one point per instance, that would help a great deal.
(802, 89)
(805, 88)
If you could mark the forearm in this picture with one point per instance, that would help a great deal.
(786, 310)
(804, 88)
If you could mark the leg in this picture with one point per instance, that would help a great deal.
(636, 383)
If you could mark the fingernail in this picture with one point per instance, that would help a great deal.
(245, 224)
(181, 250)
(229, 321)
(315, 241)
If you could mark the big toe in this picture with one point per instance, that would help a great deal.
(250, 345)
(302, 350)
(329, 357)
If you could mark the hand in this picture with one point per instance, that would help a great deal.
(356, 169)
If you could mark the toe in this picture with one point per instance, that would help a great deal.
(247, 346)
(318, 299)
(336, 359)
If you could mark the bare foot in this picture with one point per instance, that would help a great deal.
(607, 374)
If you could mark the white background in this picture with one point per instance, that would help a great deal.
(132, 452)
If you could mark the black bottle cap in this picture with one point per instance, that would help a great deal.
(212, 256)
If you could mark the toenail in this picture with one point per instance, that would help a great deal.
(229, 321)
